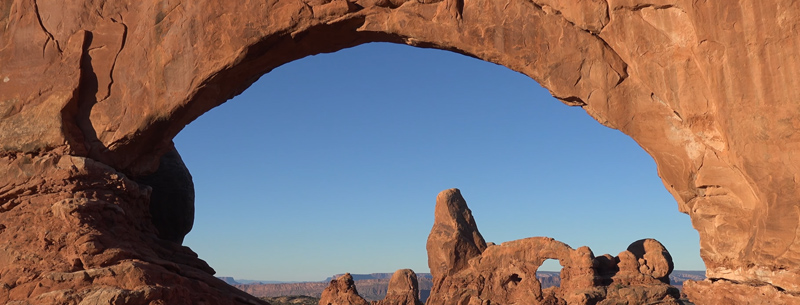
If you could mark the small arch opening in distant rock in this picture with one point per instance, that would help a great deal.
(549, 274)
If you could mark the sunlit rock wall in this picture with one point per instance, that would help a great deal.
(708, 88)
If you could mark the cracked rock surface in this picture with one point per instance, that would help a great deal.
(707, 88)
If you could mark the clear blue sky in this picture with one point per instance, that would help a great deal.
(332, 163)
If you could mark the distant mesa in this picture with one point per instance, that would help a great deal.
(229, 280)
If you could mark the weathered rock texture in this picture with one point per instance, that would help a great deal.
(708, 88)
(506, 273)
(74, 230)
(454, 239)
(342, 291)
(403, 289)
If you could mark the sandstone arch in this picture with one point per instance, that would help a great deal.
(94, 89)
(506, 273)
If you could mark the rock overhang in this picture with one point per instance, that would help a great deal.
(705, 88)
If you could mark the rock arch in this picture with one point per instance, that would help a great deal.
(506, 273)
(93, 90)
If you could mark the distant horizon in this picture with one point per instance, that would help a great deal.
(354, 274)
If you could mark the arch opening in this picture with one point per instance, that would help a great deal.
(502, 206)
(114, 83)
(549, 273)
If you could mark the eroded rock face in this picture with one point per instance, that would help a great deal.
(403, 289)
(506, 273)
(76, 231)
(454, 239)
(654, 260)
(707, 88)
(342, 291)
(727, 292)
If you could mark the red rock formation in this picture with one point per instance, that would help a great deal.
(708, 88)
(454, 239)
(74, 229)
(654, 260)
(727, 292)
(342, 291)
(506, 273)
(403, 289)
